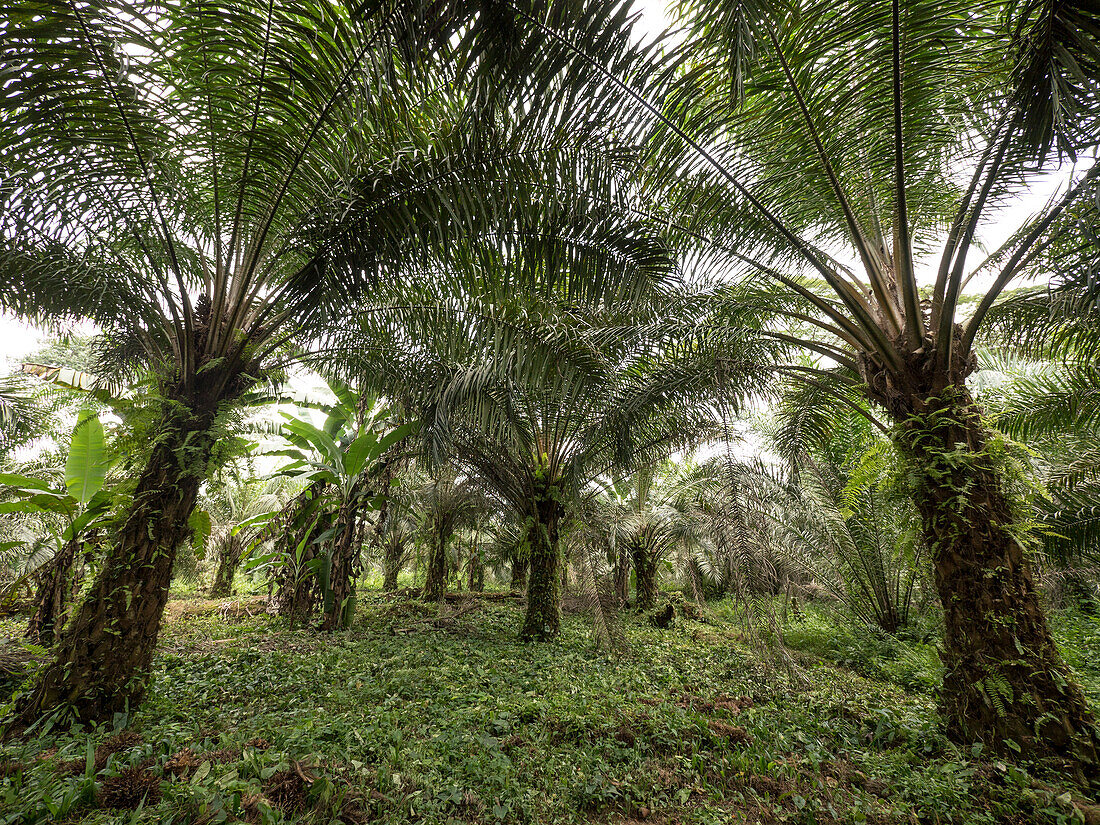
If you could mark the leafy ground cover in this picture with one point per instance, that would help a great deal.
(416, 716)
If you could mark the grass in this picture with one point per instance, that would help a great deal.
(409, 717)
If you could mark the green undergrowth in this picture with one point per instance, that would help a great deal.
(909, 659)
(410, 716)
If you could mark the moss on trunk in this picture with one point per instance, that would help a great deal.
(102, 659)
(228, 562)
(435, 581)
(543, 618)
(645, 574)
(1005, 684)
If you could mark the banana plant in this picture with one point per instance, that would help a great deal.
(82, 505)
(338, 462)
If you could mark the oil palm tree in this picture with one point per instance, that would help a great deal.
(186, 196)
(540, 434)
(835, 153)
(233, 504)
(847, 523)
(446, 502)
(649, 515)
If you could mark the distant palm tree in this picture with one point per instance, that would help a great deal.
(444, 503)
(232, 503)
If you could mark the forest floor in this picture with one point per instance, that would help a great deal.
(412, 717)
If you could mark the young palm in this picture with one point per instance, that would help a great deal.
(445, 503)
(233, 503)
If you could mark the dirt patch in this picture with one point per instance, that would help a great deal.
(733, 734)
(625, 735)
(183, 762)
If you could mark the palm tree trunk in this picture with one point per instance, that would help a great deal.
(102, 660)
(645, 576)
(520, 563)
(227, 567)
(622, 574)
(53, 595)
(435, 582)
(476, 581)
(346, 548)
(1004, 680)
(543, 618)
(391, 563)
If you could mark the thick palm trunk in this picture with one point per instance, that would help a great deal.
(621, 578)
(296, 587)
(1005, 683)
(227, 567)
(53, 597)
(543, 618)
(296, 594)
(103, 658)
(344, 566)
(391, 563)
(520, 563)
(476, 582)
(645, 576)
(435, 582)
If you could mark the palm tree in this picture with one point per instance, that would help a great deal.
(444, 504)
(185, 196)
(795, 136)
(540, 439)
(846, 523)
(397, 531)
(650, 515)
(233, 504)
(343, 463)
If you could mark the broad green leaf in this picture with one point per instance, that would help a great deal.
(359, 451)
(319, 440)
(41, 502)
(86, 466)
(24, 482)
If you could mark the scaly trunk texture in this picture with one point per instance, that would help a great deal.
(394, 552)
(344, 564)
(621, 576)
(52, 599)
(435, 581)
(543, 618)
(227, 567)
(520, 563)
(296, 594)
(645, 575)
(102, 659)
(476, 580)
(1004, 679)
(296, 587)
